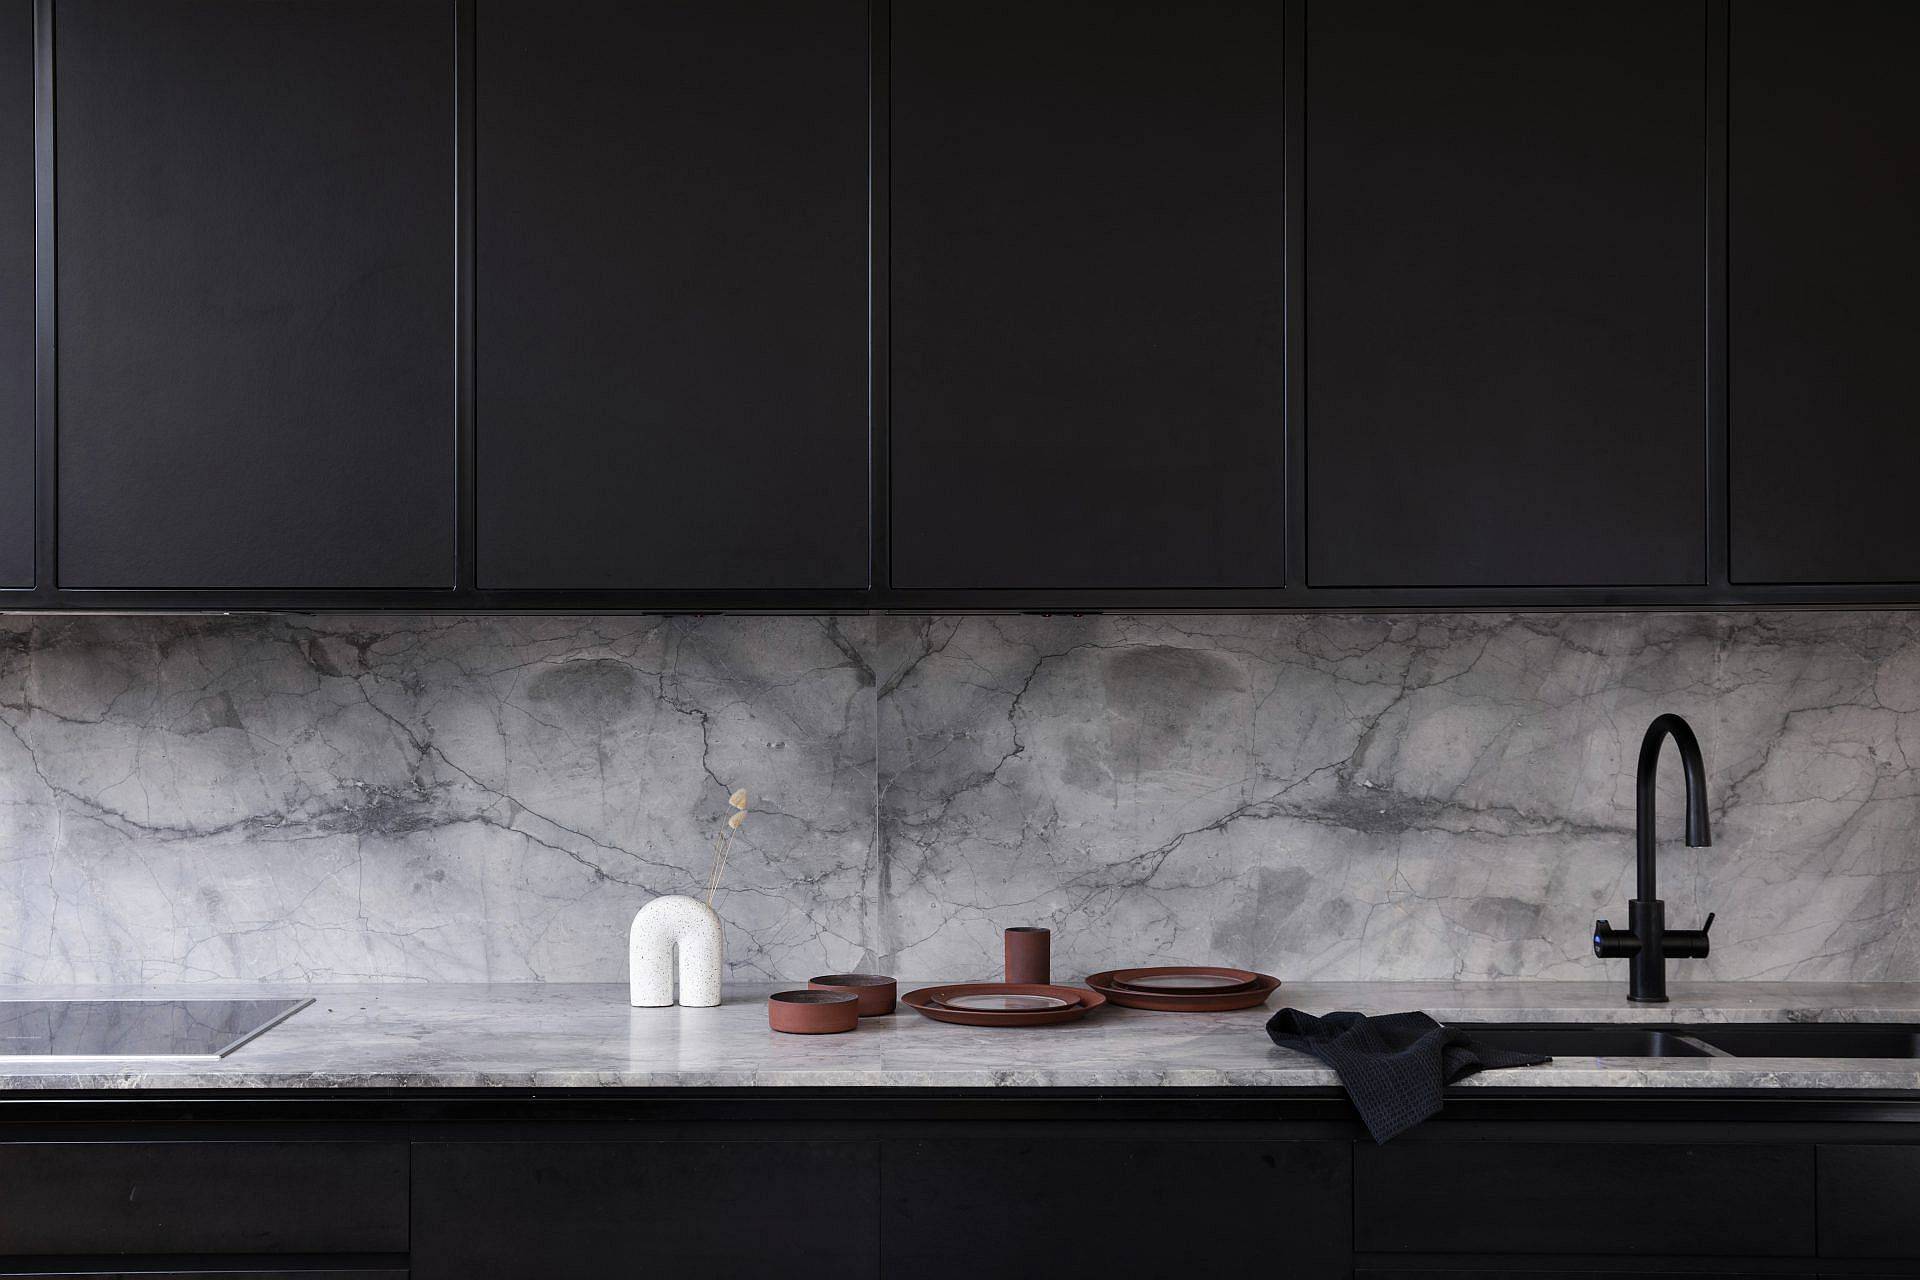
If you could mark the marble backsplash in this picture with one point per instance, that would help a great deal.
(1330, 797)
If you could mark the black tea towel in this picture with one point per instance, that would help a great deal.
(1393, 1066)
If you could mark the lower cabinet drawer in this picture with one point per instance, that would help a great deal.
(1868, 1196)
(1554, 1270)
(1584, 1198)
(1116, 1209)
(145, 1273)
(203, 1197)
(792, 1209)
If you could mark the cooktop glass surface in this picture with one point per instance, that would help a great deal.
(51, 1030)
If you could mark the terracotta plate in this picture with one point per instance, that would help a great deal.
(1186, 980)
(931, 1002)
(1263, 986)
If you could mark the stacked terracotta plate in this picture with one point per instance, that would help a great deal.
(1003, 1004)
(1185, 988)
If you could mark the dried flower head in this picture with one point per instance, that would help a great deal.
(738, 800)
(736, 820)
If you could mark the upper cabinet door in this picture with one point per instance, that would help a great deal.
(671, 292)
(1505, 283)
(1087, 294)
(1823, 410)
(255, 293)
(16, 294)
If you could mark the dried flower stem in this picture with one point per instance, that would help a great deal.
(723, 843)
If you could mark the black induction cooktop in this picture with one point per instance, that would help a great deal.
(54, 1030)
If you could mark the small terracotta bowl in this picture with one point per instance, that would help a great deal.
(813, 1013)
(875, 990)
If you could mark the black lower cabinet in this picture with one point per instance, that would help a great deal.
(574, 1186)
(1578, 1198)
(204, 1197)
(1867, 1199)
(1569, 1269)
(1046, 1206)
(224, 1273)
(588, 1210)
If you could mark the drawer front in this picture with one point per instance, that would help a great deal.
(203, 1197)
(1062, 1208)
(1569, 1271)
(592, 1210)
(144, 1274)
(1867, 1199)
(1584, 1198)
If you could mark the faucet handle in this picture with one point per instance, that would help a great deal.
(1689, 944)
(1610, 943)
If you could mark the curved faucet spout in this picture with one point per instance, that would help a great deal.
(1698, 836)
(1646, 942)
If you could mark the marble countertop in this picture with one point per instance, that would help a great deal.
(559, 1036)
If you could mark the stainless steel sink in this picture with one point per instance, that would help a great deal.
(1587, 1040)
(1735, 1040)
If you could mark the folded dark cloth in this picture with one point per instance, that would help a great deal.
(1393, 1066)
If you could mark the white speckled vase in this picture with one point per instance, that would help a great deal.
(676, 932)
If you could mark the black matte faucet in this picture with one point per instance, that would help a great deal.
(1646, 942)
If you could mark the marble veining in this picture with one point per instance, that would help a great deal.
(1395, 797)
(424, 798)
(565, 1036)
(490, 799)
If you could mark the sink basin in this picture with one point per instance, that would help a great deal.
(1582, 1040)
(1738, 1040)
(1813, 1040)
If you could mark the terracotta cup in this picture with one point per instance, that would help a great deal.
(1029, 954)
(813, 1013)
(875, 991)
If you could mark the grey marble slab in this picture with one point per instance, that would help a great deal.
(564, 1036)
(489, 799)
(424, 798)
(1435, 796)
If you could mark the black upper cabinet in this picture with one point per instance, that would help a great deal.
(255, 293)
(1824, 268)
(16, 294)
(671, 294)
(1505, 284)
(599, 303)
(1087, 294)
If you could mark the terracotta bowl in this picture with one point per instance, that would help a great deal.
(813, 1013)
(875, 991)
